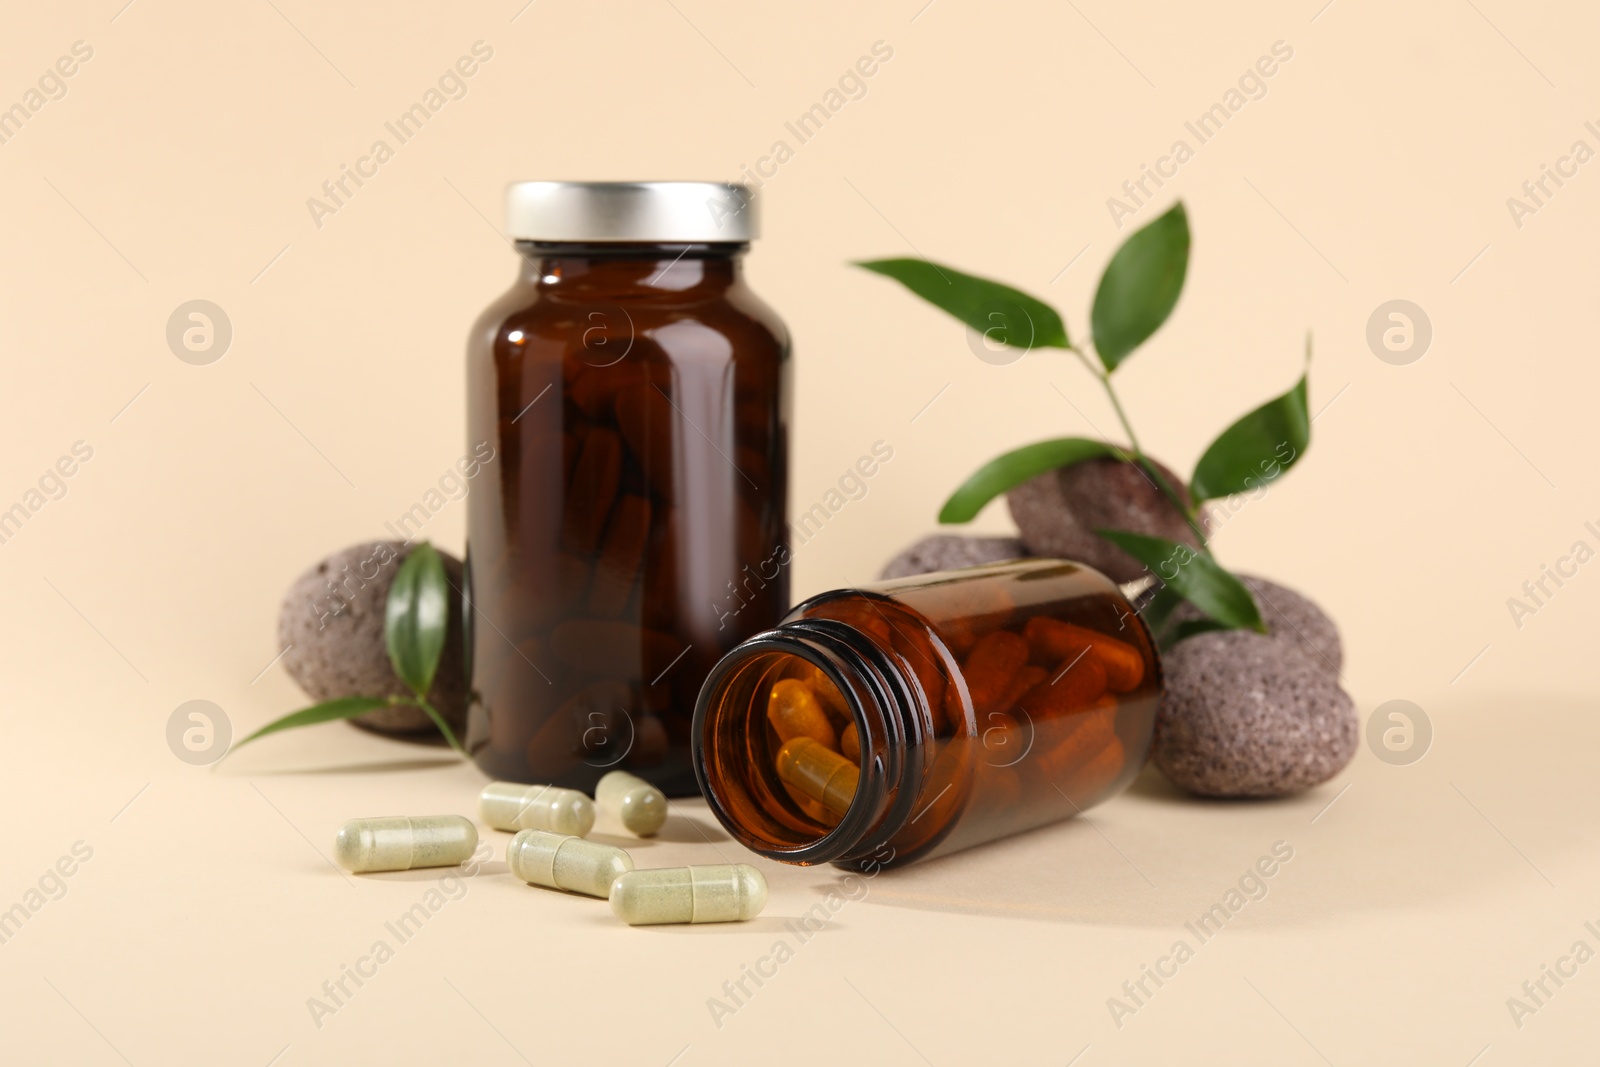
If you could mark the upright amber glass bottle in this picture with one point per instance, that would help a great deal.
(912, 718)
(635, 392)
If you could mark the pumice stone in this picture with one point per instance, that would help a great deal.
(400, 843)
(1250, 715)
(641, 806)
(514, 806)
(1059, 513)
(559, 861)
(942, 552)
(715, 893)
(331, 627)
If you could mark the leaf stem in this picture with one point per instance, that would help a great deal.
(438, 720)
(1188, 512)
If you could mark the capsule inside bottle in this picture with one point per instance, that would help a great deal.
(822, 774)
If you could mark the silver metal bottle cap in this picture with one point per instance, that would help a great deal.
(655, 212)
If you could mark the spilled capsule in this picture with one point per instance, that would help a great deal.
(714, 893)
(514, 806)
(559, 861)
(400, 843)
(641, 806)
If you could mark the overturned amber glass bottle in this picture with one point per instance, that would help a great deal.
(913, 718)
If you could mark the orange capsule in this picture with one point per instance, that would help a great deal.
(591, 491)
(594, 388)
(850, 743)
(1023, 681)
(1002, 739)
(620, 553)
(827, 693)
(1072, 741)
(990, 669)
(819, 773)
(613, 649)
(793, 711)
(561, 579)
(1052, 641)
(1087, 784)
(587, 725)
(647, 421)
(1072, 686)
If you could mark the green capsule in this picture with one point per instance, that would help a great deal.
(513, 806)
(715, 893)
(400, 843)
(640, 806)
(561, 861)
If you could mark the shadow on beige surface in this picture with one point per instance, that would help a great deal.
(1469, 821)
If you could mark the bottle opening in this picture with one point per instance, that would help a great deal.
(797, 750)
(773, 735)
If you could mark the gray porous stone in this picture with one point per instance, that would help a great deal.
(1059, 511)
(1291, 617)
(1248, 715)
(332, 621)
(939, 552)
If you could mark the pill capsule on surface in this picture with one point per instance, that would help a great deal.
(561, 861)
(641, 806)
(716, 893)
(400, 843)
(820, 773)
(514, 806)
(794, 711)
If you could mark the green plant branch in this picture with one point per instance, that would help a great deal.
(439, 721)
(1136, 294)
(1189, 513)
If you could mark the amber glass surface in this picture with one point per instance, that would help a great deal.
(633, 530)
(951, 709)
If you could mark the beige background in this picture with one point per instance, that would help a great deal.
(1377, 166)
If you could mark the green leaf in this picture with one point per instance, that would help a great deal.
(1140, 286)
(1195, 576)
(1160, 609)
(1255, 450)
(416, 617)
(1012, 469)
(328, 711)
(1002, 314)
